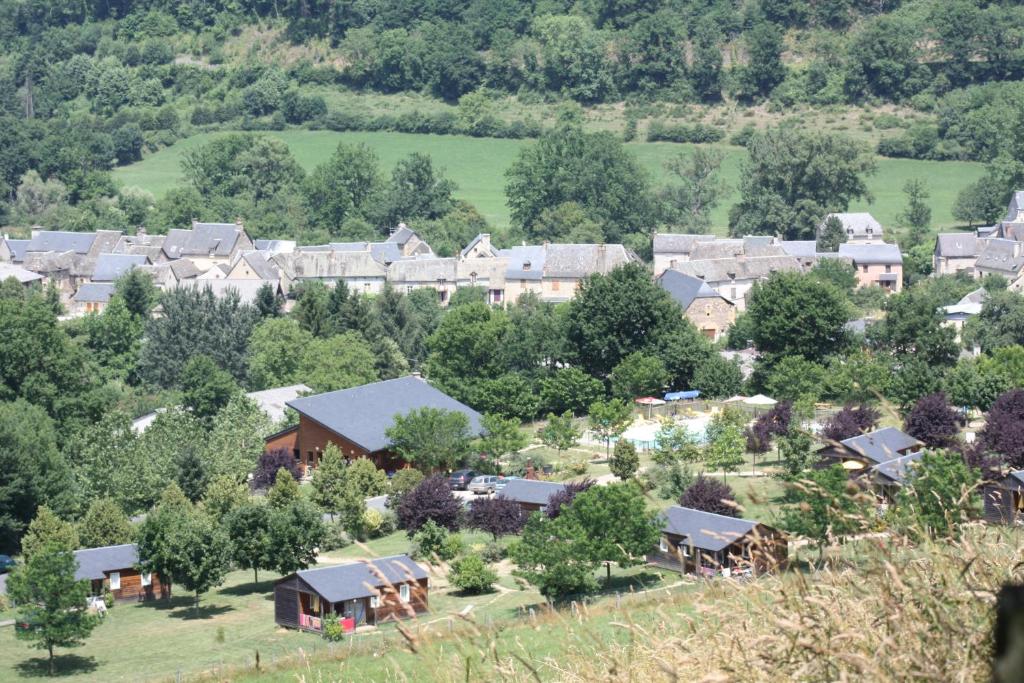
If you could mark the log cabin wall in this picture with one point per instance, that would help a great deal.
(392, 607)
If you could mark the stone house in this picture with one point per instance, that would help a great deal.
(859, 227)
(708, 310)
(734, 277)
(1002, 257)
(876, 264)
(670, 249)
(955, 252)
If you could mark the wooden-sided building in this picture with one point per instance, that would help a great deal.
(1004, 499)
(356, 421)
(867, 450)
(531, 494)
(889, 477)
(704, 543)
(116, 567)
(359, 593)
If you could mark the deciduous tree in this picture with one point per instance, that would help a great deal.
(710, 495)
(431, 438)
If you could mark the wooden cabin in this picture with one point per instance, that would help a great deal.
(704, 543)
(863, 451)
(356, 420)
(531, 494)
(1004, 499)
(115, 567)
(889, 477)
(357, 593)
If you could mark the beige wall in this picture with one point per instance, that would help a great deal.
(712, 316)
(944, 265)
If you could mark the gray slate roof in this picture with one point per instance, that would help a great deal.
(55, 240)
(858, 223)
(94, 292)
(531, 491)
(580, 260)
(705, 530)
(110, 267)
(671, 243)
(871, 253)
(896, 469)
(524, 263)
(799, 248)
(275, 246)
(203, 239)
(956, 244)
(685, 289)
(94, 562)
(428, 269)
(18, 249)
(881, 445)
(726, 269)
(402, 235)
(263, 268)
(359, 579)
(362, 414)
(8, 270)
(330, 265)
(474, 242)
(1015, 207)
(1005, 256)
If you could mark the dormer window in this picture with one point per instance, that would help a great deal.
(526, 265)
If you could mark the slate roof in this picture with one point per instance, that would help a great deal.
(386, 252)
(871, 253)
(896, 469)
(110, 267)
(517, 259)
(329, 265)
(727, 269)
(247, 289)
(53, 261)
(18, 249)
(580, 260)
(184, 269)
(402, 235)
(670, 243)
(264, 269)
(94, 562)
(956, 244)
(1015, 207)
(274, 401)
(203, 239)
(881, 445)
(424, 270)
(362, 414)
(1005, 256)
(275, 246)
(726, 248)
(685, 289)
(359, 579)
(705, 530)
(55, 240)
(858, 223)
(475, 241)
(22, 275)
(799, 248)
(530, 491)
(94, 292)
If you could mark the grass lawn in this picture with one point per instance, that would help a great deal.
(478, 166)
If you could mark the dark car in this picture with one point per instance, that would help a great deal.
(459, 479)
(6, 563)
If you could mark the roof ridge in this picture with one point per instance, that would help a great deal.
(715, 514)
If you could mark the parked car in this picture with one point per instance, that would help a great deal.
(485, 483)
(502, 481)
(460, 479)
(6, 563)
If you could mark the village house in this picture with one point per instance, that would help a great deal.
(1012, 225)
(252, 265)
(67, 259)
(356, 594)
(708, 310)
(170, 274)
(355, 420)
(207, 244)
(867, 450)
(1003, 257)
(859, 228)
(670, 249)
(23, 276)
(92, 297)
(1004, 499)
(531, 494)
(956, 315)
(358, 269)
(115, 567)
(876, 264)
(955, 252)
(707, 544)
(12, 250)
(734, 277)
(112, 267)
(142, 243)
(562, 268)
(887, 478)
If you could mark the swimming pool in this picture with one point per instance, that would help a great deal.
(645, 434)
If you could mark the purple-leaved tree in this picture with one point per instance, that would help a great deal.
(709, 495)
(497, 516)
(265, 474)
(562, 498)
(432, 499)
(849, 422)
(934, 421)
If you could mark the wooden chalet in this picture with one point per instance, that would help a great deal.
(888, 478)
(357, 594)
(115, 567)
(867, 450)
(1004, 499)
(356, 419)
(698, 542)
(531, 494)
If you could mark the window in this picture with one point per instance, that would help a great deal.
(888, 269)
(686, 549)
(555, 285)
(408, 289)
(663, 547)
(732, 292)
(115, 581)
(403, 592)
(314, 603)
(374, 601)
(147, 579)
(865, 268)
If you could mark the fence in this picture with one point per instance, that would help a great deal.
(695, 407)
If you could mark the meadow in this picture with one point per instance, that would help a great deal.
(478, 166)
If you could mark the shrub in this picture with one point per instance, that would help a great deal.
(269, 463)
(709, 495)
(659, 131)
(108, 598)
(402, 482)
(472, 575)
(742, 137)
(497, 516)
(333, 630)
(564, 497)
(335, 537)
(434, 542)
(493, 552)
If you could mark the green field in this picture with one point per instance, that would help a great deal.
(478, 166)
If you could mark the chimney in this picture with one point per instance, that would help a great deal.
(485, 240)
(141, 231)
(1016, 249)
(238, 221)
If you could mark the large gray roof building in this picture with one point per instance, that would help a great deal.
(356, 580)
(705, 530)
